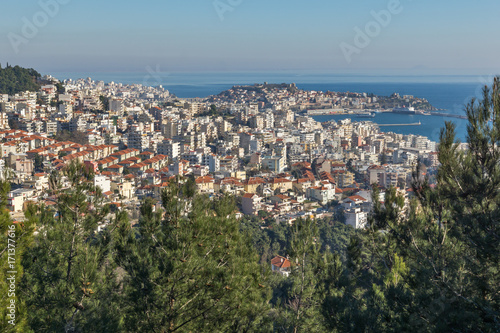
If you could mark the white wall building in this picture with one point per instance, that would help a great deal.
(103, 182)
(356, 218)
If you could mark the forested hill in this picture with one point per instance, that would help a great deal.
(17, 79)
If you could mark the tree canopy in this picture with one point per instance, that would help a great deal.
(17, 79)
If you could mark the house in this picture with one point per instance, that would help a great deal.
(282, 184)
(274, 163)
(353, 201)
(281, 265)
(343, 178)
(250, 203)
(376, 175)
(124, 187)
(102, 182)
(323, 165)
(252, 183)
(205, 184)
(39, 182)
(322, 193)
(326, 176)
(229, 163)
(228, 185)
(115, 168)
(17, 198)
(337, 166)
(281, 202)
(302, 184)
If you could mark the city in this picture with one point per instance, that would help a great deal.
(247, 142)
(249, 166)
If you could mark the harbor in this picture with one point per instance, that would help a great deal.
(430, 125)
(371, 113)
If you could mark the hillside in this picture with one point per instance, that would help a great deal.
(17, 79)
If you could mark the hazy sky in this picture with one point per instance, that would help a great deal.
(421, 36)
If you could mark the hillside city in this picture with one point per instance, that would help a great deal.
(253, 142)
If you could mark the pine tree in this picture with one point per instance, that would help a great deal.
(313, 277)
(189, 269)
(14, 239)
(67, 278)
(434, 265)
(469, 185)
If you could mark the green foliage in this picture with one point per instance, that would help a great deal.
(14, 240)
(268, 239)
(334, 236)
(105, 102)
(432, 265)
(189, 268)
(60, 88)
(38, 162)
(73, 136)
(313, 276)
(214, 112)
(68, 280)
(17, 79)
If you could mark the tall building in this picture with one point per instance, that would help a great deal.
(212, 161)
(169, 148)
(274, 163)
(137, 139)
(116, 105)
(171, 128)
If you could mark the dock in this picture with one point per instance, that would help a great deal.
(407, 124)
(450, 115)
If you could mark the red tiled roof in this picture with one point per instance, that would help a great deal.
(204, 180)
(356, 198)
(280, 262)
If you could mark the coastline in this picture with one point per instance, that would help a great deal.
(450, 95)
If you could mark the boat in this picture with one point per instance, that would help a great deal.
(405, 110)
(365, 114)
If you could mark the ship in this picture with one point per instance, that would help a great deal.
(365, 114)
(405, 110)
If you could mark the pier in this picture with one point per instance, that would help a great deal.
(407, 124)
(442, 114)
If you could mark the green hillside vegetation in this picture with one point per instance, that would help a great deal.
(17, 79)
(430, 264)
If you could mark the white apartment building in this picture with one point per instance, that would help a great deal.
(356, 218)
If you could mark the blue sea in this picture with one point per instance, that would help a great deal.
(450, 93)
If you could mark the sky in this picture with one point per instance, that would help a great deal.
(406, 37)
